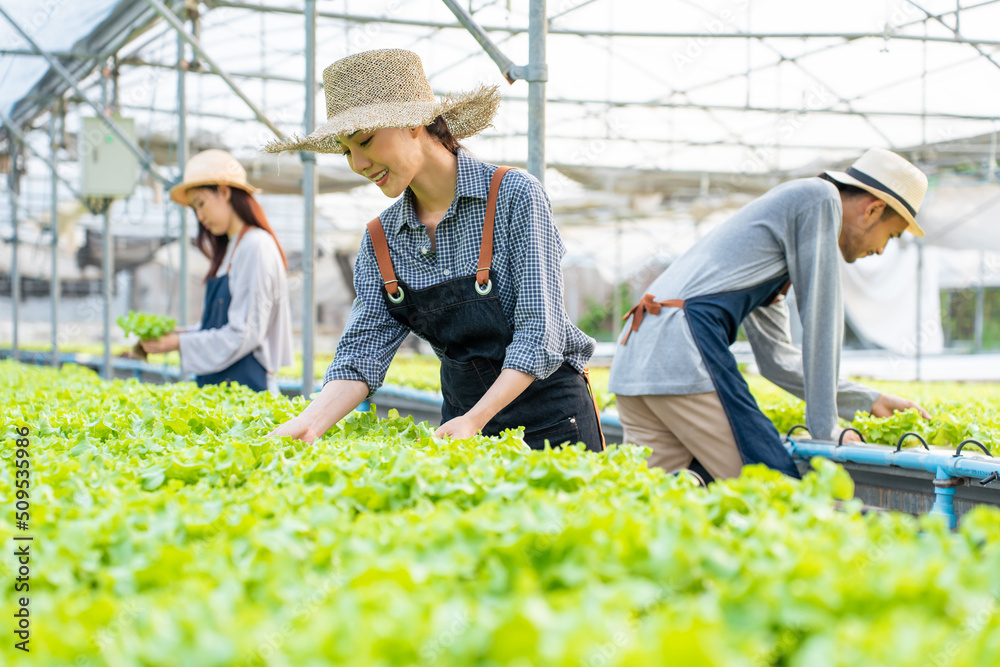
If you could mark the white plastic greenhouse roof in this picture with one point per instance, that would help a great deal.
(667, 98)
(701, 98)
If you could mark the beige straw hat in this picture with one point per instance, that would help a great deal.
(388, 88)
(211, 167)
(892, 179)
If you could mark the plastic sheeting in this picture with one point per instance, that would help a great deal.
(880, 299)
(963, 214)
(880, 295)
(55, 26)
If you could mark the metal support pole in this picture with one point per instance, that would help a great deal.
(9, 124)
(507, 67)
(977, 344)
(991, 170)
(54, 226)
(107, 286)
(920, 304)
(537, 76)
(58, 68)
(15, 276)
(309, 187)
(182, 151)
(175, 23)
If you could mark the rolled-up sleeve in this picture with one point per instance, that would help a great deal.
(371, 336)
(536, 266)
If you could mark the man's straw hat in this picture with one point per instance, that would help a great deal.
(388, 88)
(211, 167)
(890, 178)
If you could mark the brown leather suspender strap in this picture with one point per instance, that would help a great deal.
(647, 304)
(597, 409)
(486, 247)
(382, 255)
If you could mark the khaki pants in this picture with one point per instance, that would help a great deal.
(681, 428)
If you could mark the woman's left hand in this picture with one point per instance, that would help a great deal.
(167, 343)
(459, 427)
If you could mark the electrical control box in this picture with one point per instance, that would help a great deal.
(110, 169)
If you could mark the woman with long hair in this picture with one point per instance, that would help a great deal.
(245, 334)
(468, 258)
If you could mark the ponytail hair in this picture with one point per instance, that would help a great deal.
(250, 212)
(440, 131)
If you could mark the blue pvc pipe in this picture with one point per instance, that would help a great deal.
(942, 465)
(912, 459)
(944, 500)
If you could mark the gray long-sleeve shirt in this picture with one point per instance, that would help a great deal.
(260, 319)
(793, 229)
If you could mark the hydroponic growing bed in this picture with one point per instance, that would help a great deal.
(167, 530)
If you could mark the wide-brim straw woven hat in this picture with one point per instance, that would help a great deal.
(211, 167)
(388, 88)
(892, 179)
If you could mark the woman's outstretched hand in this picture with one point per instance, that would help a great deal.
(507, 387)
(459, 428)
(297, 428)
(167, 343)
(337, 398)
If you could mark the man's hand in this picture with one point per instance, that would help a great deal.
(167, 343)
(850, 436)
(297, 428)
(887, 404)
(459, 427)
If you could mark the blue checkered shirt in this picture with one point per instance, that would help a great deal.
(527, 256)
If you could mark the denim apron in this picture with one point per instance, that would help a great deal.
(714, 320)
(247, 371)
(462, 318)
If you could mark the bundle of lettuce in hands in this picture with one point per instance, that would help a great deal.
(147, 327)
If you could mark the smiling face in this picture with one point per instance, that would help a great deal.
(213, 209)
(389, 157)
(868, 225)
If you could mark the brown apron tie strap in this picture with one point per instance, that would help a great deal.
(647, 304)
(486, 246)
(229, 267)
(783, 292)
(382, 256)
(597, 409)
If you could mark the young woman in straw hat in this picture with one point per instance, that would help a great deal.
(468, 258)
(246, 328)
